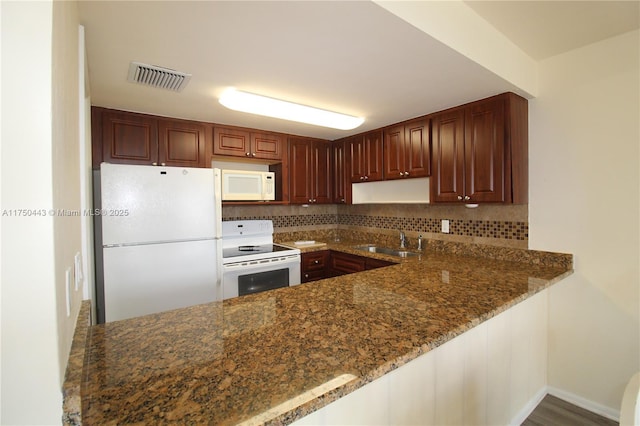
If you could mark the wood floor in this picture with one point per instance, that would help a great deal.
(554, 411)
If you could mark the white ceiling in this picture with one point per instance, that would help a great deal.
(351, 57)
(547, 28)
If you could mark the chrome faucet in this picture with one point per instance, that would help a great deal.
(403, 240)
(420, 242)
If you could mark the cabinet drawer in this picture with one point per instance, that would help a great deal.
(314, 266)
(314, 261)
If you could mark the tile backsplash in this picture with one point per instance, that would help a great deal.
(498, 225)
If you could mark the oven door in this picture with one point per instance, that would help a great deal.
(240, 278)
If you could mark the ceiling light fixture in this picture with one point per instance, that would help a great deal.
(270, 107)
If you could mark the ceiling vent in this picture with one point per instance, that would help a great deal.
(154, 76)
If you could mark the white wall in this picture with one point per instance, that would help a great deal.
(39, 171)
(66, 110)
(584, 184)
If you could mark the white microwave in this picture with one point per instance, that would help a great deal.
(248, 185)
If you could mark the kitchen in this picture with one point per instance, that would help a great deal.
(558, 215)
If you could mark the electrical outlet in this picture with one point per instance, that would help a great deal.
(445, 277)
(445, 226)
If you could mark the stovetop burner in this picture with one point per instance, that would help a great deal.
(249, 240)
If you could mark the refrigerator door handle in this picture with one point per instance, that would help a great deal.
(217, 193)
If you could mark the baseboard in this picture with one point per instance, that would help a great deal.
(528, 407)
(581, 402)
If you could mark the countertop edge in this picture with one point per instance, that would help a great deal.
(71, 387)
(330, 396)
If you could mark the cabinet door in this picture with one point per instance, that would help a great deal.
(371, 263)
(300, 171)
(484, 152)
(233, 142)
(344, 263)
(266, 146)
(394, 153)
(321, 172)
(447, 179)
(417, 149)
(373, 155)
(181, 143)
(341, 174)
(355, 152)
(129, 138)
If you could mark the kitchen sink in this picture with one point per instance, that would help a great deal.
(371, 248)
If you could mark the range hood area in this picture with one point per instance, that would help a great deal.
(407, 191)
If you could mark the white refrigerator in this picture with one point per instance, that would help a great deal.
(161, 238)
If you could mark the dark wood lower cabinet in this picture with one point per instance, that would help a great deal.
(372, 263)
(314, 266)
(318, 265)
(344, 263)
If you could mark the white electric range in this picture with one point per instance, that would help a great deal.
(252, 263)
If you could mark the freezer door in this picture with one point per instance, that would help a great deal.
(143, 204)
(146, 279)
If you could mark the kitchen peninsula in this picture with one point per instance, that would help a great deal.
(256, 358)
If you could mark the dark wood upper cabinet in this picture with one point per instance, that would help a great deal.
(267, 146)
(131, 138)
(484, 152)
(447, 179)
(365, 157)
(237, 142)
(340, 173)
(373, 149)
(182, 143)
(480, 152)
(232, 142)
(417, 149)
(474, 153)
(407, 150)
(394, 152)
(310, 179)
(128, 138)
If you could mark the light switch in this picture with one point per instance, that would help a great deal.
(78, 270)
(445, 226)
(68, 283)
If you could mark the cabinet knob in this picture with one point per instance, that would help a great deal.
(314, 200)
(361, 177)
(162, 164)
(459, 197)
(306, 275)
(248, 154)
(342, 200)
(310, 200)
(467, 198)
(401, 174)
(253, 154)
(316, 261)
(406, 173)
(366, 178)
(154, 164)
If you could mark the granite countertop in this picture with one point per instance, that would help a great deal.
(273, 357)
